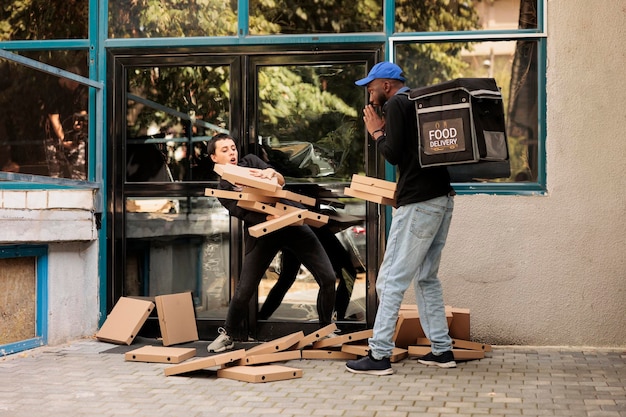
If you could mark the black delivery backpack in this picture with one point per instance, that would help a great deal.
(461, 125)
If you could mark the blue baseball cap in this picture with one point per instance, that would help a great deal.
(382, 70)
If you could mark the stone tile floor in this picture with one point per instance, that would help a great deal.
(78, 379)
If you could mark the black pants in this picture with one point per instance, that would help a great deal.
(290, 266)
(302, 242)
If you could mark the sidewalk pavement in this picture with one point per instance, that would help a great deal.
(77, 379)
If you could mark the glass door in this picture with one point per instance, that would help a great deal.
(300, 112)
(308, 125)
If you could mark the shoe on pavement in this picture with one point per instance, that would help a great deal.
(445, 360)
(222, 343)
(369, 365)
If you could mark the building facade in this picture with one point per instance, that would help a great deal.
(117, 207)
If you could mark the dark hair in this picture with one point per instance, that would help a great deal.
(210, 146)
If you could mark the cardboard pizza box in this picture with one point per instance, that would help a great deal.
(177, 319)
(408, 329)
(369, 197)
(459, 354)
(283, 356)
(373, 182)
(344, 338)
(262, 373)
(238, 195)
(125, 320)
(160, 354)
(460, 325)
(286, 195)
(316, 335)
(207, 362)
(383, 192)
(276, 345)
(327, 354)
(459, 344)
(292, 218)
(242, 176)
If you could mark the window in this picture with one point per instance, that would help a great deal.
(44, 118)
(24, 310)
(512, 58)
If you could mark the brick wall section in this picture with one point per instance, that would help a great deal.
(47, 216)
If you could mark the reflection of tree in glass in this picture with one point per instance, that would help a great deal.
(171, 18)
(43, 19)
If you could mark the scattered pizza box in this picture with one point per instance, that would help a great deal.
(408, 329)
(177, 319)
(459, 354)
(460, 325)
(341, 339)
(458, 343)
(359, 350)
(242, 176)
(373, 182)
(293, 218)
(208, 362)
(399, 354)
(276, 345)
(238, 195)
(466, 344)
(327, 354)
(125, 320)
(160, 354)
(261, 373)
(315, 336)
(283, 356)
(369, 197)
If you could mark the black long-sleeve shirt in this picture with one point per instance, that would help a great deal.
(400, 147)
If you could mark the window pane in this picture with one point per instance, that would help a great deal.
(43, 118)
(171, 18)
(309, 118)
(460, 15)
(43, 19)
(172, 113)
(176, 245)
(312, 16)
(514, 67)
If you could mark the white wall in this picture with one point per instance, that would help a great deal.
(551, 270)
(64, 221)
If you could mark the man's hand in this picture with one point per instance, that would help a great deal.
(268, 173)
(373, 122)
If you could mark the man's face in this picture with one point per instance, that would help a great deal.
(225, 152)
(376, 91)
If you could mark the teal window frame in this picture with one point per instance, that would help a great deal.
(40, 253)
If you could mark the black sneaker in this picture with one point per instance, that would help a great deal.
(445, 360)
(370, 366)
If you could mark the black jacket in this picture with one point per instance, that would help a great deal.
(399, 147)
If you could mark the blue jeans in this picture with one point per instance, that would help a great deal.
(416, 239)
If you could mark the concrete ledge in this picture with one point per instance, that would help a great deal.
(47, 216)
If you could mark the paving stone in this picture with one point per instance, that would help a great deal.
(77, 379)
